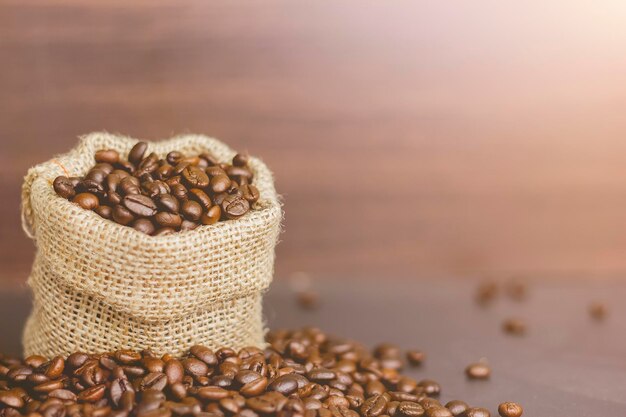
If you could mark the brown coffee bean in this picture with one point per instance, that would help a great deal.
(88, 201)
(63, 394)
(77, 359)
(430, 387)
(195, 177)
(250, 193)
(201, 197)
(168, 203)
(148, 165)
(213, 171)
(254, 387)
(211, 216)
(109, 156)
(205, 354)
(598, 311)
(415, 357)
(154, 189)
(188, 225)
(106, 212)
(240, 160)
(154, 380)
(234, 207)
(285, 384)
(144, 226)
(164, 231)
(92, 394)
(220, 183)
(514, 326)
(64, 187)
(174, 157)
(411, 409)
(478, 370)
(212, 393)
(122, 215)
(510, 409)
(137, 152)
(477, 412)
(12, 398)
(374, 406)
(457, 407)
(140, 205)
(167, 219)
(191, 210)
(195, 366)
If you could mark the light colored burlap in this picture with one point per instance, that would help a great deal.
(99, 286)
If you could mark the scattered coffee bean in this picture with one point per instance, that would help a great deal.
(477, 412)
(457, 407)
(308, 299)
(510, 409)
(598, 311)
(514, 326)
(486, 293)
(200, 188)
(516, 290)
(478, 370)
(415, 357)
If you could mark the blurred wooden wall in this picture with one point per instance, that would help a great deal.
(408, 138)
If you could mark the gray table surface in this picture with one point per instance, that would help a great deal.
(567, 364)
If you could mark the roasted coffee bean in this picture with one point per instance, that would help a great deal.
(457, 407)
(234, 207)
(188, 225)
(211, 216)
(148, 165)
(64, 187)
(174, 157)
(438, 412)
(106, 212)
(137, 152)
(92, 394)
(410, 409)
(155, 188)
(144, 226)
(478, 370)
(510, 409)
(250, 193)
(514, 326)
(477, 412)
(168, 203)
(191, 210)
(87, 201)
(195, 177)
(109, 156)
(374, 406)
(598, 311)
(12, 398)
(205, 354)
(415, 357)
(285, 384)
(164, 231)
(140, 205)
(240, 160)
(201, 197)
(220, 183)
(122, 215)
(195, 366)
(430, 387)
(167, 219)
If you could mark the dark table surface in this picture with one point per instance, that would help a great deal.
(566, 365)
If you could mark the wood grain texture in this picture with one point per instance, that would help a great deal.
(410, 138)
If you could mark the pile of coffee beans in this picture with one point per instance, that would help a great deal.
(302, 373)
(161, 196)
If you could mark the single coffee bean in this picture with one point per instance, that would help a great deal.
(155, 188)
(211, 216)
(374, 406)
(168, 203)
(514, 326)
(212, 393)
(510, 409)
(205, 354)
(210, 159)
(87, 201)
(109, 156)
(91, 186)
(430, 387)
(250, 193)
(457, 407)
(105, 167)
(164, 231)
(195, 177)
(195, 366)
(438, 412)
(285, 384)
(478, 370)
(415, 357)
(92, 394)
(214, 171)
(186, 225)
(598, 311)
(477, 412)
(140, 205)
(201, 197)
(137, 152)
(174, 157)
(240, 160)
(239, 174)
(144, 226)
(191, 210)
(12, 398)
(234, 207)
(122, 215)
(64, 187)
(220, 183)
(148, 165)
(167, 219)
(410, 409)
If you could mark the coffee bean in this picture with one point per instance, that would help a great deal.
(140, 205)
(478, 370)
(106, 212)
(137, 152)
(122, 215)
(174, 157)
(109, 156)
(457, 407)
(12, 398)
(195, 177)
(486, 293)
(144, 226)
(164, 231)
(598, 311)
(147, 165)
(220, 183)
(514, 326)
(205, 354)
(438, 412)
(87, 201)
(167, 219)
(174, 371)
(240, 160)
(212, 393)
(285, 384)
(211, 216)
(430, 387)
(410, 409)
(64, 187)
(374, 406)
(168, 203)
(415, 357)
(188, 225)
(92, 394)
(195, 366)
(191, 210)
(477, 412)
(250, 193)
(234, 207)
(510, 409)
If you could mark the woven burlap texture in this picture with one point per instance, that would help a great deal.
(99, 286)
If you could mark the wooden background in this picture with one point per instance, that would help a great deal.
(408, 138)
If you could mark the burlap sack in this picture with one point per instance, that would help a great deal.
(99, 286)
